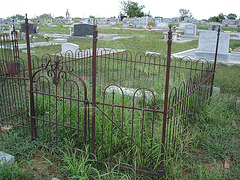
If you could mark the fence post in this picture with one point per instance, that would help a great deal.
(169, 42)
(94, 71)
(215, 61)
(31, 98)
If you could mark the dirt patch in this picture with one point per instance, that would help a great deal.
(39, 166)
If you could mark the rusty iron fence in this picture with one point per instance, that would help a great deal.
(131, 110)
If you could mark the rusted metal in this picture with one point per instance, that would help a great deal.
(32, 109)
(169, 42)
(94, 72)
(125, 122)
(215, 60)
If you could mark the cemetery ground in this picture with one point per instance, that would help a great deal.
(209, 150)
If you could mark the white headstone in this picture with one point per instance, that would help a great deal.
(69, 46)
(162, 26)
(207, 46)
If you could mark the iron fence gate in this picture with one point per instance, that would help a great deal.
(14, 101)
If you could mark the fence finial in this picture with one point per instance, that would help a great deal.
(170, 33)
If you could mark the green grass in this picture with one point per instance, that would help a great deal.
(201, 150)
(13, 171)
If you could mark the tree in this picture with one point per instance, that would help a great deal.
(218, 18)
(231, 16)
(131, 9)
(20, 17)
(185, 13)
(44, 15)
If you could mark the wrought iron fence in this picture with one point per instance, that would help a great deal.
(130, 109)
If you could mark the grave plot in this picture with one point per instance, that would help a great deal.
(130, 110)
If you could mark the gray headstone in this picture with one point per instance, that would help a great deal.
(83, 29)
(207, 46)
(6, 158)
(32, 28)
(190, 31)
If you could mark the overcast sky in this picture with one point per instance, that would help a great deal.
(200, 9)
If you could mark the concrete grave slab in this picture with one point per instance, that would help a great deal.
(6, 158)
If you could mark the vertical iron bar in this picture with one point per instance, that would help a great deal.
(32, 110)
(215, 61)
(169, 42)
(94, 71)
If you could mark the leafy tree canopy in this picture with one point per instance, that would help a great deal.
(231, 16)
(19, 16)
(132, 9)
(185, 13)
(218, 18)
(44, 15)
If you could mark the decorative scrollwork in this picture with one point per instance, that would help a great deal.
(56, 71)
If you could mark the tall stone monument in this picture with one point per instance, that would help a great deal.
(68, 18)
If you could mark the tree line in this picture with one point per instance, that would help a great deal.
(134, 9)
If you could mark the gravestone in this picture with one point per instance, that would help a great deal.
(207, 46)
(214, 26)
(182, 25)
(157, 20)
(13, 21)
(171, 20)
(162, 26)
(229, 22)
(69, 46)
(59, 21)
(190, 31)
(190, 20)
(1, 21)
(32, 28)
(83, 29)
(102, 21)
(88, 21)
(42, 20)
(6, 158)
